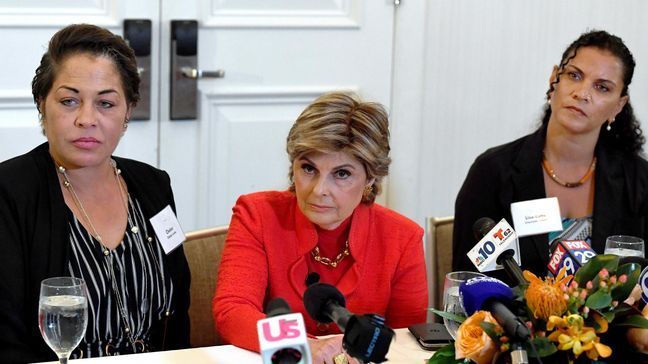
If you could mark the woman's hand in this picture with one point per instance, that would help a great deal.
(329, 351)
(638, 338)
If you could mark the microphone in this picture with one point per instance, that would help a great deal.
(490, 294)
(497, 247)
(365, 336)
(282, 335)
(643, 276)
(571, 254)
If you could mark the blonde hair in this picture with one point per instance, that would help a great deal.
(340, 121)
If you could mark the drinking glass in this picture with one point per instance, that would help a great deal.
(624, 246)
(63, 314)
(451, 300)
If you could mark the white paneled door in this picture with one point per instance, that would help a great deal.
(277, 56)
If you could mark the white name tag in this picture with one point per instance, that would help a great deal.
(168, 230)
(535, 217)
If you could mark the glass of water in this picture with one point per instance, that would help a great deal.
(451, 300)
(624, 246)
(63, 314)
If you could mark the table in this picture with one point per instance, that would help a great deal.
(404, 350)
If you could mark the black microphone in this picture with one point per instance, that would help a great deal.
(365, 336)
(312, 278)
(484, 226)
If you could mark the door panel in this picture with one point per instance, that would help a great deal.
(278, 56)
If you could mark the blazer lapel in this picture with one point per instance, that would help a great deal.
(608, 196)
(528, 184)
(306, 241)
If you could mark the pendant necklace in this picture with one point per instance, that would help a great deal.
(106, 252)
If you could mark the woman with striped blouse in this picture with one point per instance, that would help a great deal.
(69, 208)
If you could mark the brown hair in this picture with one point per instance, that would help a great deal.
(340, 121)
(86, 39)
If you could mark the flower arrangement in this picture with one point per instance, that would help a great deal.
(568, 316)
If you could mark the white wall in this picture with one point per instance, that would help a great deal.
(478, 80)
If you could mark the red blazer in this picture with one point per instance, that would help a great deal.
(266, 252)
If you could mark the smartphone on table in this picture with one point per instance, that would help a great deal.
(431, 336)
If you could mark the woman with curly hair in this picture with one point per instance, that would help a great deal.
(586, 153)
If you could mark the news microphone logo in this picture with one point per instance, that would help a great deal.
(287, 329)
(571, 254)
(643, 282)
(284, 336)
(500, 238)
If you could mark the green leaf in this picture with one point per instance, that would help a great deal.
(445, 355)
(594, 266)
(543, 346)
(448, 315)
(599, 299)
(489, 328)
(632, 270)
(633, 321)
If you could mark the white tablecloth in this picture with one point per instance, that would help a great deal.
(404, 350)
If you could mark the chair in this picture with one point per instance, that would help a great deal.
(203, 249)
(438, 242)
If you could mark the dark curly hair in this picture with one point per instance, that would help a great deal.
(86, 39)
(626, 134)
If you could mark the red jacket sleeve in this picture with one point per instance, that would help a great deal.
(408, 300)
(242, 279)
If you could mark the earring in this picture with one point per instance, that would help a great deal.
(126, 123)
(609, 124)
(548, 101)
(367, 191)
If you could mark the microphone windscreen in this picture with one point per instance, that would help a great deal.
(475, 292)
(482, 226)
(312, 278)
(318, 296)
(276, 307)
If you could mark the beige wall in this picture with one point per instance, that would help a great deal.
(472, 74)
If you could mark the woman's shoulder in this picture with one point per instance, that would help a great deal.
(268, 197)
(142, 170)
(510, 151)
(274, 202)
(24, 169)
(389, 219)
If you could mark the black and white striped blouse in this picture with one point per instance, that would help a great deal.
(143, 283)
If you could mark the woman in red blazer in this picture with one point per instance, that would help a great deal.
(326, 223)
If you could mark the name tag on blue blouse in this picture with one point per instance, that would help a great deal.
(168, 230)
(536, 216)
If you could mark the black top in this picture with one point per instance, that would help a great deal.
(513, 172)
(35, 242)
(130, 288)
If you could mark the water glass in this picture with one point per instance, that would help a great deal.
(63, 314)
(624, 246)
(451, 300)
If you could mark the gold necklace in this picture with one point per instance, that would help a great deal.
(328, 261)
(77, 201)
(106, 252)
(552, 174)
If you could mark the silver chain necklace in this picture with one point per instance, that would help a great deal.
(106, 252)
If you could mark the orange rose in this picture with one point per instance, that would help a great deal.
(473, 342)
